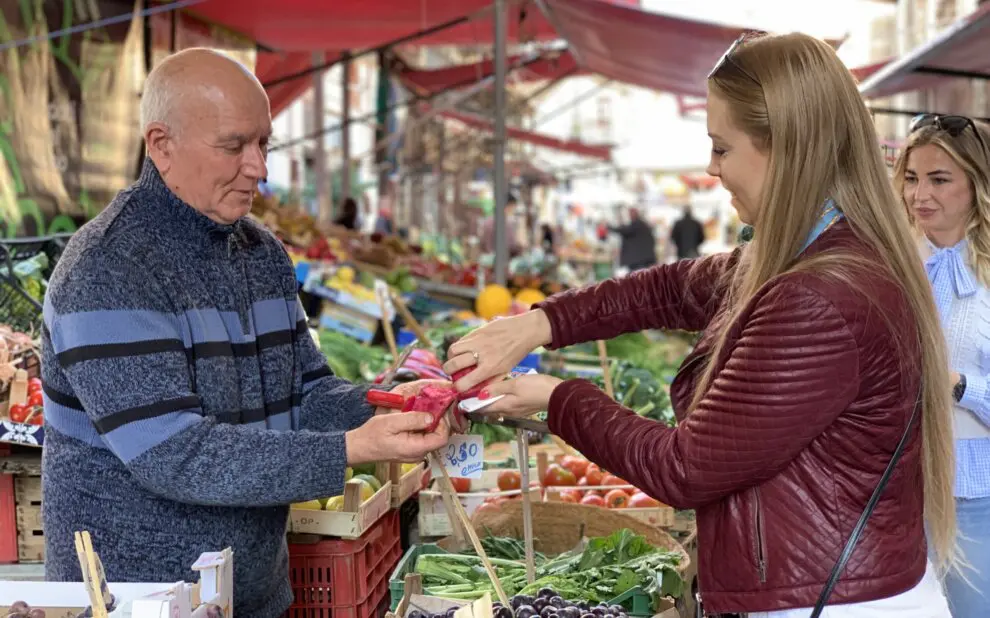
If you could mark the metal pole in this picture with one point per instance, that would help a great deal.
(345, 135)
(501, 186)
(324, 206)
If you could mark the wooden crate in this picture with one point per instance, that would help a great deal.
(404, 486)
(350, 523)
(433, 519)
(662, 516)
(30, 530)
(685, 530)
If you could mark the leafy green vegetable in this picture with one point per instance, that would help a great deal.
(350, 359)
(504, 547)
(605, 569)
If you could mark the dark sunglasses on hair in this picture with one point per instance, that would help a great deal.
(953, 125)
(727, 56)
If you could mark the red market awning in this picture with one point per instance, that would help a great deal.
(625, 43)
(961, 51)
(307, 25)
(269, 67)
(865, 72)
(436, 80)
(597, 151)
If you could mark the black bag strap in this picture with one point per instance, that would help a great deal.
(840, 565)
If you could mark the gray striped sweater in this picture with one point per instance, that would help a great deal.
(185, 402)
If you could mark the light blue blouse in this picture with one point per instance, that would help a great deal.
(964, 308)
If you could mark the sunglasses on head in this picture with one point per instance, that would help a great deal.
(953, 125)
(727, 56)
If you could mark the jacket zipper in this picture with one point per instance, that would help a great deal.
(761, 557)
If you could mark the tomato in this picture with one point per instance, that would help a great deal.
(37, 419)
(486, 507)
(558, 476)
(593, 500)
(640, 500)
(461, 485)
(610, 479)
(566, 496)
(18, 413)
(617, 499)
(509, 480)
(34, 386)
(573, 494)
(593, 474)
(577, 465)
(36, 400)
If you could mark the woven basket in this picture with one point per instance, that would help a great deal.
(559, 526)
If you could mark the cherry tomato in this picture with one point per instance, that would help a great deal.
(593, 500)
(617, 499)
(461, 485)
(33, 386)
(594, 475)
(36, 400)
(509, 480)
(639, 500)
(577, 465)
(37, 419)
(18, 413)
(558, 476)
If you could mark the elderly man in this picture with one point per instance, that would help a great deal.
(186, 403)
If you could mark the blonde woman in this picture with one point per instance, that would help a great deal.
(943, 177)
(821, 357)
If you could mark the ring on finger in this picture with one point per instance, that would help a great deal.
(476, 356)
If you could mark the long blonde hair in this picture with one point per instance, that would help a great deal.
(794, 98)
(970, 155)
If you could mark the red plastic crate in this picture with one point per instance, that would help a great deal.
(339, 578)
(8, 520)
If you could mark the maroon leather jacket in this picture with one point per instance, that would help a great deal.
(809, 399)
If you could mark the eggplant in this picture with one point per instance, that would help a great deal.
(404, 374)
(526, 611)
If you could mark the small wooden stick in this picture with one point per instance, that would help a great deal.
(448, 487)
(413, 585)
(567, 448)
(387, 327)
(411, 322)
(527, 506)
(603, 357)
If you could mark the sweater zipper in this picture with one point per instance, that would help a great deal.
(761, 556)
(237, 262)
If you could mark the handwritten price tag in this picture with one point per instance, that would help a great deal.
(464, 456)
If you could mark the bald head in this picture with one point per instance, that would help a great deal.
(193, 79)
(206, 123)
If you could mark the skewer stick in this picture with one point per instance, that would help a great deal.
(565, 447)
(446, 486)
(387, 327)
(527, 506)
(603, 358)
(411, 322)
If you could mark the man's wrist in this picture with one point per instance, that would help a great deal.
(356, 447)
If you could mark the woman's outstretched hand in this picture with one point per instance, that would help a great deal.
(497, 347)
(523, 396)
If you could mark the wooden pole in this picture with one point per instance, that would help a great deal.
(603, 358)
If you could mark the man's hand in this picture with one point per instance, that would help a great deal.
(395, 437)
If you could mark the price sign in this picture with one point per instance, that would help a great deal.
(464, 456)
